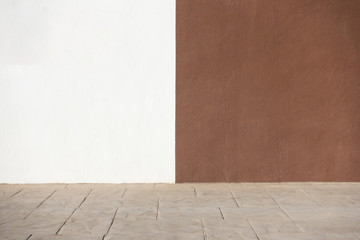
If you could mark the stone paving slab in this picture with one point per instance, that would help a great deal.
(220, 211)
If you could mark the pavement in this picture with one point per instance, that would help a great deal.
(220, 211)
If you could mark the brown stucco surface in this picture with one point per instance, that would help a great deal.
(267, 90)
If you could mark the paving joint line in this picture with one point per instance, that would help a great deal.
(203, 230)
(16, 193)
(122, 196)
(305, 193)
(157, 209)
(57, 232)
(222, 215)
(252, 228)
(112, 222)
(237, 204)
(39, 204)
(195, 193)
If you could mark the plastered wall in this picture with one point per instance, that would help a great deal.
(87, 91)
(268, 90)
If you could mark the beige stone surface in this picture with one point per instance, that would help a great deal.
(244, 211)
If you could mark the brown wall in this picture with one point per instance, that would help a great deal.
(268, 90)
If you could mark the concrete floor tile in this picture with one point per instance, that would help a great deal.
(31, 226)
(175, 195)
(202, 191)
(251, 197)
(17, 208)
(7, 191)
(93, 208)
(279, 225)
(253, 213)
(173, 187)
(199, 202)
(135, 213)
(15, 236)
(290, 196)
(326, 219)
(87, 224)
(189, 213)
(225, 229)
(64, 237)
(150, 236)
(321, 211)
(285, 236)
(146, 226)
(331, 236)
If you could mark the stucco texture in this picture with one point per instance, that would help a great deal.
(267, 90)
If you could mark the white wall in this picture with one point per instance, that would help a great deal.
(87, 91)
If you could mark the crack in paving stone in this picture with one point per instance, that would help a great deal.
(57, 232)
(124, 193)
(237, 204)
(203, 229)
(222, 215)
(29, 237)
(252, 228)
(278, 205)
(157, 210)
(17, 193)
(39, 204)
(112, 222)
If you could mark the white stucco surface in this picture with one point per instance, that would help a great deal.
(87, 91)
